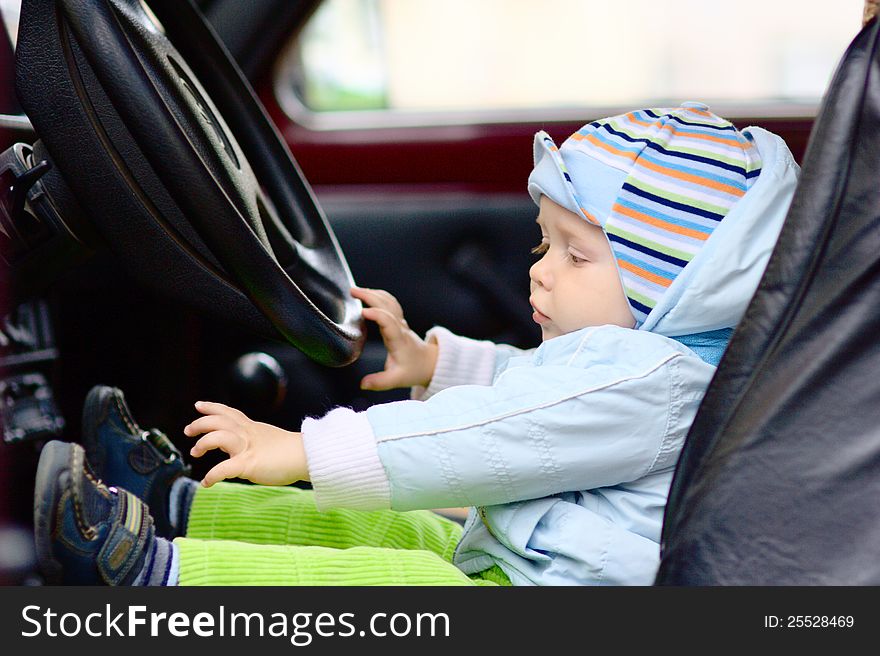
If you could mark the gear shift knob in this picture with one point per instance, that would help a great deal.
(258, 382)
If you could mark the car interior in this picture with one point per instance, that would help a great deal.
(171, 228)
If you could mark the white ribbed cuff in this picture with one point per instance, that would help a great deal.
(344, 465)
(460, 361)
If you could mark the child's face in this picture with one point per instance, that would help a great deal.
(575, 284)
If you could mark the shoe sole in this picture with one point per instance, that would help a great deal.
(54, 458)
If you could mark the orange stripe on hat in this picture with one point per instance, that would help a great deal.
(611, 149)
(632, 117)
(727, 141)
(671, 131)
(642, 273)
(590, 217)
(690, 177)
(659, 223)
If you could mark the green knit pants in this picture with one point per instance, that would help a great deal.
(255, 535)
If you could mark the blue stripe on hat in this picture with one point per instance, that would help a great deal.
(674, 153)
(669, 272)
(644, 209)
(635, 150)
(702, 173)
(644, 309)
(677, 119)
(646, 250)
(671, 203)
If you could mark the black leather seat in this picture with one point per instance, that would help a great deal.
(779, 481)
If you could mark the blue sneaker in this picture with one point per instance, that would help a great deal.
(144, 462)
(86, 533)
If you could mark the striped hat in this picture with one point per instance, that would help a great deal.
(658, 181)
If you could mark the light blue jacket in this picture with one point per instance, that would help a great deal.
(566, 452)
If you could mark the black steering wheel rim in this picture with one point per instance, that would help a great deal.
(181, 143)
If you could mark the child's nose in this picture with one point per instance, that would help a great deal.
(539, 273)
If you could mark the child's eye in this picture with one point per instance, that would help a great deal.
(541, 248)
(575, 259)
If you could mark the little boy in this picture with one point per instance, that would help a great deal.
(656, 226)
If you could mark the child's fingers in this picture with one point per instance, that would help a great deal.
(390, 326)
(212, 408)
(231, 468)
(371, 297)
(207, 424)
(379, 381)
(378, 298)
(223, 440)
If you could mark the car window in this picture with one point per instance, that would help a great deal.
(9, 13)
(387, 59)
(10, 112)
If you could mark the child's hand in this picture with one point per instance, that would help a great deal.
(259, 452)
(411, 360)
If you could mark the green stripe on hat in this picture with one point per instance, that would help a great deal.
(690, 201)
(638, 239)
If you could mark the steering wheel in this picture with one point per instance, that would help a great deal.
(158, 138)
